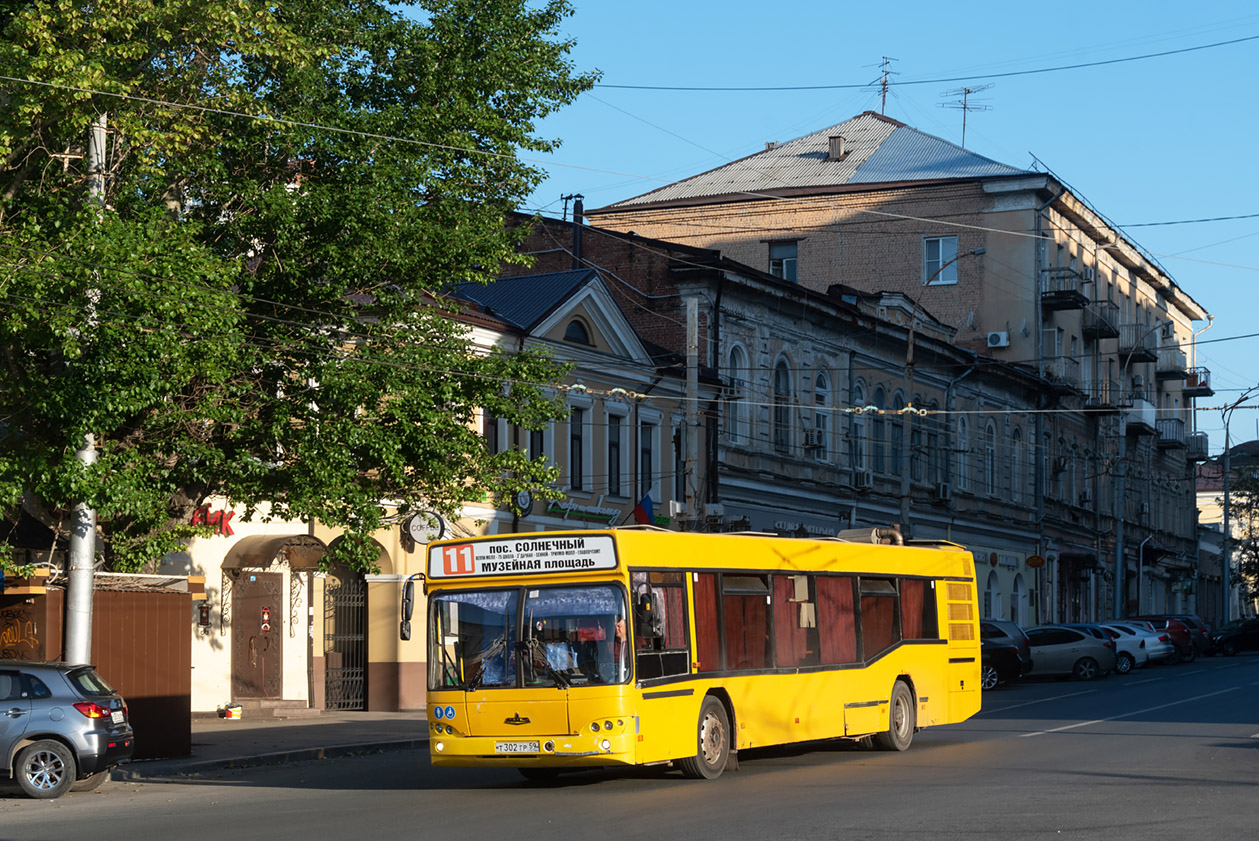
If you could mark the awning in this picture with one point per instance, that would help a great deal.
(300, 551)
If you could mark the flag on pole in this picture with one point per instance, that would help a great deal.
(642, 511)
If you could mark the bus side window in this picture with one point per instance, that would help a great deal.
(660, 626)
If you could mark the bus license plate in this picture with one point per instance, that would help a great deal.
(515, 747)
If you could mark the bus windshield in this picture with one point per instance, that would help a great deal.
(537, 636)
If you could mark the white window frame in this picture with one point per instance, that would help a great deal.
(788, 266)
(738, 415)
(940, 269)
(823, 396)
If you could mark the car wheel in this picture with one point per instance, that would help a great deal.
(988, 677)
(1190, 655)
(46, 769)
(1124, 663)
(712, 742)
(1228, 649)
(1085, 669)
(902, 720)
(91, 782)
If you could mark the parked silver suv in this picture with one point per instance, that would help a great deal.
(61, 727)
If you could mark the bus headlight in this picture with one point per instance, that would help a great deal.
(605, 745)
(439, 747)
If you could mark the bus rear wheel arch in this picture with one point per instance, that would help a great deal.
(712, 750)
(902, 720)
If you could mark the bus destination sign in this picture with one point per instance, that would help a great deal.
(521, 555)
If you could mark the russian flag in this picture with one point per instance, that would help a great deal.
(642, 511)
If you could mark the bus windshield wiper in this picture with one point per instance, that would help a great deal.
(537, 658)
(496, 648)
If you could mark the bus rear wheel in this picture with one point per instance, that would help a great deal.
(902, 720)
(712, 742)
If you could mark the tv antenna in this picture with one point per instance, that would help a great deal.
(965, 104)
(885, 81)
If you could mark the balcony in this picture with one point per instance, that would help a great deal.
(1198, 383)
(1137, 343)
(1172, 364)
(1101, 396)
(1063, 374)
(1061, 288)
(1198, 446)
(1139, 418)
(1101, 320)
(1171, 433)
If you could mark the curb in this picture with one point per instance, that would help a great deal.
(158, 768)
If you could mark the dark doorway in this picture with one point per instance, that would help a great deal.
(345, 640)
(258, 607)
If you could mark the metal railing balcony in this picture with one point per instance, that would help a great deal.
(1061, 288)
(1198, 383)
(1172, 364)
(1063, 373)
(1137, 343)
(1198, 446)
(1171, 433)
(1101, 320)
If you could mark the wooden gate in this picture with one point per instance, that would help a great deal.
(258, 607)
(345, 640)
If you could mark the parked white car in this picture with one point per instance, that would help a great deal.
(1158, 645)
(1129, 651)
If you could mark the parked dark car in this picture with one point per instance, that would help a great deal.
(1058, 650)
(1005, 631)
(61, 727)
(1179, 632)
(1001, 663)
(1239, 635)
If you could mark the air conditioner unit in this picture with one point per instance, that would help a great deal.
(814, 439)
(1145, 508)
(1086, 496)
(1138, 382)
(944, 491)
(677, 508)
(714, 512)
(999, 338)
(862, 479)
(1087, 274)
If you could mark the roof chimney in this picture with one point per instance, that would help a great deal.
(837, 151)
(578, 221)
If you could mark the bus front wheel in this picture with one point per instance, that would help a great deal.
(712, 742)
(901, 720)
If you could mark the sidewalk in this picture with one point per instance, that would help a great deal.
(219, 743)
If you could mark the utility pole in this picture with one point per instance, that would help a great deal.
(691, 441)
(81, 575)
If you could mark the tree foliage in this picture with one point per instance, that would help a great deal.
(257, 310)
(1244, 522)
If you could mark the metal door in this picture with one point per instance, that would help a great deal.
(345, 640)
(257, 635)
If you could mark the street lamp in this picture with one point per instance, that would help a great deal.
(1225, 575)
(909, 411)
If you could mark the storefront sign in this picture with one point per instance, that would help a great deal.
(1035, 561)
(809, 528)
(221, 520)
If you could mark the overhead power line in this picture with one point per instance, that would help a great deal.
(1005, 75)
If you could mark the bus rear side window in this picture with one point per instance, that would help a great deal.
(795, 622)
(837, 619)
(745, 620)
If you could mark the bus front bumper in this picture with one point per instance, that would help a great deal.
(585, 749)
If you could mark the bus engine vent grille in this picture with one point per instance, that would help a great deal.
(960, 612)
(958, 592)
(961, 631)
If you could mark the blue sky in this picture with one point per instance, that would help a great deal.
(1162, 139)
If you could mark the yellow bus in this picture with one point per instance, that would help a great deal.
(639, 646)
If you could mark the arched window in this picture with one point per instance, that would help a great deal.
(738, 418)
(577, 332)
(821, 416)
(858, 440)
(878, 433)
(992, 597)
(990, 458)
(782, 407)
(963, 453)
(1018, 602)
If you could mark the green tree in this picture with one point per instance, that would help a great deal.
(1244, 521)
(257, 311)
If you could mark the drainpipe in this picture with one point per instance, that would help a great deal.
(578, 222)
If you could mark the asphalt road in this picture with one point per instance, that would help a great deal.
(1162, 753)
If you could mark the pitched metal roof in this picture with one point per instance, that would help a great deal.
(525, 300)
(877, 150)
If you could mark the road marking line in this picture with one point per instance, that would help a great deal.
(1147, 680)
(1194, 672)
(1126, 715)
(1041, 701)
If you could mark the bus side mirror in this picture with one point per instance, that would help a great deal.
(408, 607)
